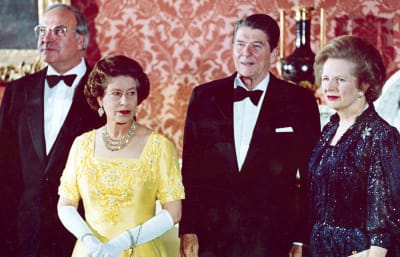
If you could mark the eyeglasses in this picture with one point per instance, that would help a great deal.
(57, 31)
(116, 95)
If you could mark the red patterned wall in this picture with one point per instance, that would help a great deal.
(182, 43)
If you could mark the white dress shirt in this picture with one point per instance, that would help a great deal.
(57, 102)
(245, 115)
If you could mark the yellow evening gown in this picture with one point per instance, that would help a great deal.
(119, 194)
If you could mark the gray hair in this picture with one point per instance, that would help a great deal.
(81, 27)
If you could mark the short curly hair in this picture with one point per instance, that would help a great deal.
(369, 68)
(113, 66)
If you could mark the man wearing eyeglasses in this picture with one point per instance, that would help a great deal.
(40, 116)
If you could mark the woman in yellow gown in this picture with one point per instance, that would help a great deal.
(118, 171)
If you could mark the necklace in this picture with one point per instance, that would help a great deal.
(117, 144)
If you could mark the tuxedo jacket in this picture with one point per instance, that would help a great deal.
(257, 210)
(30, 177)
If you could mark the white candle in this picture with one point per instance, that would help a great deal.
(282, 33)
(322, 30)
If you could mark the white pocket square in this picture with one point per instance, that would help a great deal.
(284, 129)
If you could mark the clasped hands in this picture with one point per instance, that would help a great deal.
(95, 248)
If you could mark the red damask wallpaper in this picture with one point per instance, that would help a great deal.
(183, 43)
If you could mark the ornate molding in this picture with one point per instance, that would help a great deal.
(15, 63)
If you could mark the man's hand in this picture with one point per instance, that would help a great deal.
(296, 251)
(189, 245)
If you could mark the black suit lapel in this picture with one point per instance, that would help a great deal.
(224, 100)
(270, 107)
(34, 112)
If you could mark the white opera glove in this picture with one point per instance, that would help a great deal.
(151, 229)
(92, 244)
(74, 223)
(107, 250)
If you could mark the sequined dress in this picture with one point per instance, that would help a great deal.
(354, 188)
(119, 194)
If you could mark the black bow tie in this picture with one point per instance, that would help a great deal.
(52, 80)
(241, 93)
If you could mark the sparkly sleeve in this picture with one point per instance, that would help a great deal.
(170, 179)
(68, 183)
(383, 214)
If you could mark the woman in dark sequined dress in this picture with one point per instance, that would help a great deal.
(354, 172)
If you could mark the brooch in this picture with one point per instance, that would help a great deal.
(366, 133)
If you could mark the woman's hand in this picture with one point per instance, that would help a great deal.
(91, 243)
(107, 250)
(377, 251)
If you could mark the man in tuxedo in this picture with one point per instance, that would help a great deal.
(245, 138)
(40, 116)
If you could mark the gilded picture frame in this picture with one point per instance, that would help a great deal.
(17, 62)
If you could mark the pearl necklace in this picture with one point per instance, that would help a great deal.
(117, 144)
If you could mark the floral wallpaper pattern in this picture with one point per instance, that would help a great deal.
(183, 43)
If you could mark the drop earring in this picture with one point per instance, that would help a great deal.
(100, 111)
(360, 95)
